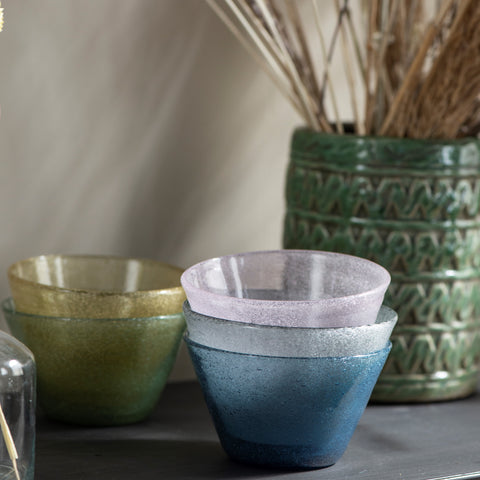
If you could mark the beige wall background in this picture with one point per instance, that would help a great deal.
(138, 128)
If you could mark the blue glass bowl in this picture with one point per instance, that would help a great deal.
(285, 412)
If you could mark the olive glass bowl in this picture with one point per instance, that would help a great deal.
(95, 286)
(98, 371)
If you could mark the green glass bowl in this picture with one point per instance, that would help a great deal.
(98, 371)
(95, 286)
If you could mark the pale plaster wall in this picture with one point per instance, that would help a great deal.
(138, 128)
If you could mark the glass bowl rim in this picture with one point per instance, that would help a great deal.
(95, 292)
(387, 348)
(188, 286)
(8, 305)
(265, 326)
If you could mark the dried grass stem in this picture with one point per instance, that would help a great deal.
(419, 68)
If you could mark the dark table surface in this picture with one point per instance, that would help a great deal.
(417, 442)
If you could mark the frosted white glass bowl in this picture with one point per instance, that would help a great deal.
(295, 288)
(277, 341)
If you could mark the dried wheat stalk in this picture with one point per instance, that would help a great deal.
(448, 92)
(417, 72)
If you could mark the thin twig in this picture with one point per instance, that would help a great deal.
(326, 63)
(331, 49)
(418, 81)
(261, 32)
(272, 62)
(382, 84)
(357, 47)
(371, 49)
(414, 70)
(449, 90)
(269, 66)
(9, 443)
(359, 128)
(304, 61)
(298, 85)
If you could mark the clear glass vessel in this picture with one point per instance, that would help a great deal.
(17, 410)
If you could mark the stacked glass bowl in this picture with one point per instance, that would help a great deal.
(287, 346)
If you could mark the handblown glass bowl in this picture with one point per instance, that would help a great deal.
(98, 371)
(296, 288)
(95, 286)
(285, 412)
(289, 342)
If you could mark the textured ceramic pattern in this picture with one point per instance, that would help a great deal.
(413, 207)
(295, 288)
(285, 412)
(99, 371)
(85, 286)
(289, 342)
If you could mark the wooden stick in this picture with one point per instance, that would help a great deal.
(326, 63)
(348, 70)
(262, 33)
(412, 47)
(448, 92)
(297, 83)
(9, 443)
(415, 69)
(269, 66)
(381, 77)
(396, 57)
(331, 49)
(357, 47)
(303, 61)
(372, 28)
(272, 62)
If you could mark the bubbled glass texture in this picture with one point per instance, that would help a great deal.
(296, 288)
(285, 412)
(95, 371)
(288, 342)
(95, 286)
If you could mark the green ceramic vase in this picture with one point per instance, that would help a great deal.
(412, 206)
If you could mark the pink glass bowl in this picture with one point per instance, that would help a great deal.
(294, 288)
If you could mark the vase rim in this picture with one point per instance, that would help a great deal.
(357, 136)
